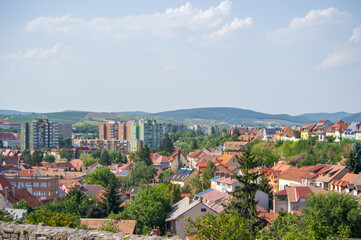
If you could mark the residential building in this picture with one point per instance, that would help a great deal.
(65, 130)
(235, 145)
(114, 130)
(183, 176)
(148, 131)
(9, 125)
(38, 134)
(266, 134)
(292, 198)
(134, 145)
(41, 187)
(350, 132)
(175, 222)
(100, 144)
(341, 184)
(306, 130)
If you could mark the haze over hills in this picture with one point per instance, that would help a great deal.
(207, 116)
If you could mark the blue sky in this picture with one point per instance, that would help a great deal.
(269, 56)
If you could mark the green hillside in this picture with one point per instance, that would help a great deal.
(61, 117)
(333, 117)
(232, 116)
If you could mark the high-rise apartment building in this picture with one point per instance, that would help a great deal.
(65, 130)
(114, 131)
(148, 131)
(38, 134)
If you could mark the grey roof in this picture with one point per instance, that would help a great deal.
(356, 181)
(181, 207)
(92, 190)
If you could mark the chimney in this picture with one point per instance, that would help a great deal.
(190, 200)
(13, 192)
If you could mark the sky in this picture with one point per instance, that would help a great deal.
(289, 57)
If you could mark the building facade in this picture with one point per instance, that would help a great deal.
(114, 130)
(38, 134)
(65, 130)
(148, 131)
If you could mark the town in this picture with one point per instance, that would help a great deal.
(170, 179)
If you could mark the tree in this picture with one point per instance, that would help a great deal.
(26, 156)
(336, 211)
(213, 131)
(5, 216)
(140, 174)
(34, 159)
(208, 174)
(225, 226)
(355, 158)
(66, 153)
(1, 144)
(22, 204)
(112, 198)
(174, 192)
(196, 184)
(50, 218)
(149, 208)
(193, 145)
(144, 155)
(164, 176)
(87, 159)
(167, 146)
(104, 158)
(49, 158)
(96, 154)
(243, 201)
(102, 176)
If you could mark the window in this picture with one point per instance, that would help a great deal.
(203, 210)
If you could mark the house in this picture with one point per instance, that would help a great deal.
(337, 129)
(235, 145)
(183, 176)
(92, 167)
(340, 185)
(229, 160)
(266, 134)
(124, 226)
(29, 173)
(77, 163)
(350, 132)
(306, 130)
(292, 198)
(92, 190)
(194, 157)
(175, 223)
(334, 172)
(286, 134)
(224, 182)
(123, 169)
(292, 176)
(320, 129)
(354, 186)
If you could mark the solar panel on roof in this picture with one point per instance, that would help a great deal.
(188, 171)
(182, 171)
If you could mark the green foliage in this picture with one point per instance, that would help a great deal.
(164, 176)
(104, 158)
(88, 159)
(65, 141)
(149, 208)
(174, 192)
(102, 176)
(96, 154)
(5, 216)
(112, 198)
(335, 211)
(355, 158)
(167, 146)
(208, 174)
(117, 157)
(196, 184)
(34, 159)
(86, 128)
(49, 158)
(22, 204)
(139, 175)
(144, 155)
(53, 219)
(225, 226)
(66, 153)
(243, 201)
(109, 226)
(186, 188)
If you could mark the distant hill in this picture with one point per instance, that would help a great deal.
(12, 112)
(229, 116)
(356, 117)
(136, 113)
(333, 117)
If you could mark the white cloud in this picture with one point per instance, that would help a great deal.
(356, 35)
(186, 20)
(301, 28)
(36, 53)
(232, 26)
(340, 58)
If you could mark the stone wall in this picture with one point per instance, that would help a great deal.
(15, 231)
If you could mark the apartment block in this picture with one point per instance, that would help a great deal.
(65, 130)
(38, 134)
(100, 144)
(148, 131)
(114, 130)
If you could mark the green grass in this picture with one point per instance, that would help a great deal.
(60, 117)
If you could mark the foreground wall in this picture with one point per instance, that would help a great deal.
(15, 231)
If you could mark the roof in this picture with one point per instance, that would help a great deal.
(226, 180)
(331, 173)
(212, 194)
(294, 174)
(269, 217)
(181, 207)
(92, 190)
(296, 192)
(23, 194)
(182, 175)
(4, 183)
(225, 158)
(28, 172)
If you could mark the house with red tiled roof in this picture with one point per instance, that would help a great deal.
(286, 134)
(292, 198)
(229, 160)
(77, 163)
(235, 145)
(334, 172)
(340, 185)
(292, 176)
(194, 157)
